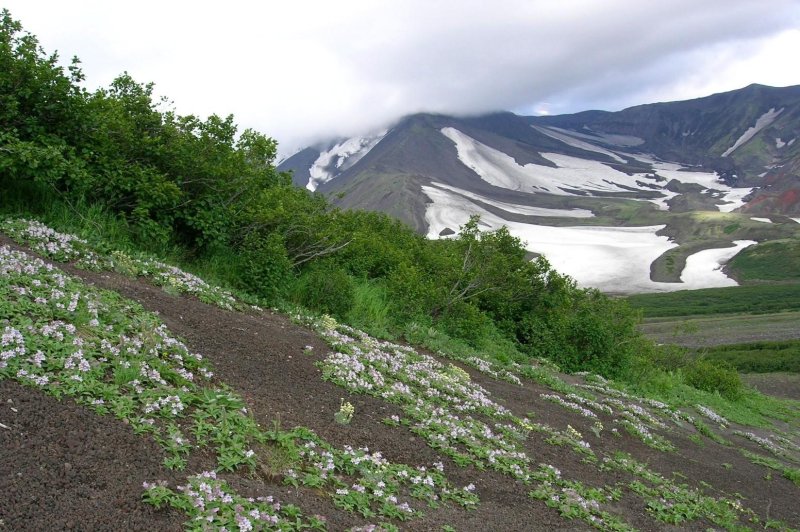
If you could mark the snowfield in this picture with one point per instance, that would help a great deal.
(574, 176)
(576, 143)
(764, 220)
(570, 173)
(612, 259)
(515, 208)
(704, 268)
(611, 139)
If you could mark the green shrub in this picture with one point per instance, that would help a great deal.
(465, 321)
(585, 331)
(669, 357)
(266, 270)
(760, 298)
(328, 290)
(776, 261)
(759, 357)
(714, 377)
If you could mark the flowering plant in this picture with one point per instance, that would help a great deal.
(345, 413)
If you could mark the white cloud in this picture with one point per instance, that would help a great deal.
(299, 70)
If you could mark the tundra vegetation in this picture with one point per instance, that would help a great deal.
(116, 178)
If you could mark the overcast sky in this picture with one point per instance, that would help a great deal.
(303, 70)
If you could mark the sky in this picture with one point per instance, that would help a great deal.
(306, 70)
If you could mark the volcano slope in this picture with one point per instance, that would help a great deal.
(267, 441)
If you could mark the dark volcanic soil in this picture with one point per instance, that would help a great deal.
(63, 467)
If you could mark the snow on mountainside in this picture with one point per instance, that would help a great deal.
(762, 122)
(576, 176)
(339, 158)
(652, 198)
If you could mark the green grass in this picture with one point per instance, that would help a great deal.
(751, 408)
(750, 299)
(775, 261)
(787, 472)
(90, 221)
(370, 311)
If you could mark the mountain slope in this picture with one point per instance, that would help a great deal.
(649, 167)
(736, 133)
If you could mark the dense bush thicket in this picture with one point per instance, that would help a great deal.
(201, 186)
(758, 357)
(760, 298)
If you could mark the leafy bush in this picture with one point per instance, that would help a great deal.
(265, 268)
(328, 290)
(669, 357)
(465, 321)
(714, 377)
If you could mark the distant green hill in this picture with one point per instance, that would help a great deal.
(778, 260)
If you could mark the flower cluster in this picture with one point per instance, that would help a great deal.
(71, 339)
(570, 405)
(116, 358)
(365, 482)
(576, 501)
(345, 413)
(713, 416)
(46, 241)
(765, 443)
(64, 247)
(212, 504)
(440, 404)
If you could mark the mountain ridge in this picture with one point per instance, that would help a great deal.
(649, 167)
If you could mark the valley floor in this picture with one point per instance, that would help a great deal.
(707, 331)
(778, 384)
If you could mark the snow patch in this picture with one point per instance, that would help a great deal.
(762, 122)
(622, 141)
(342, 156)
(704, 268)
(516, 208)
(765, 220)
(615, 259)
(573, 174)
(731, 197)
(575, 143)
(779, 143)
(735, 197)
(796, 220)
